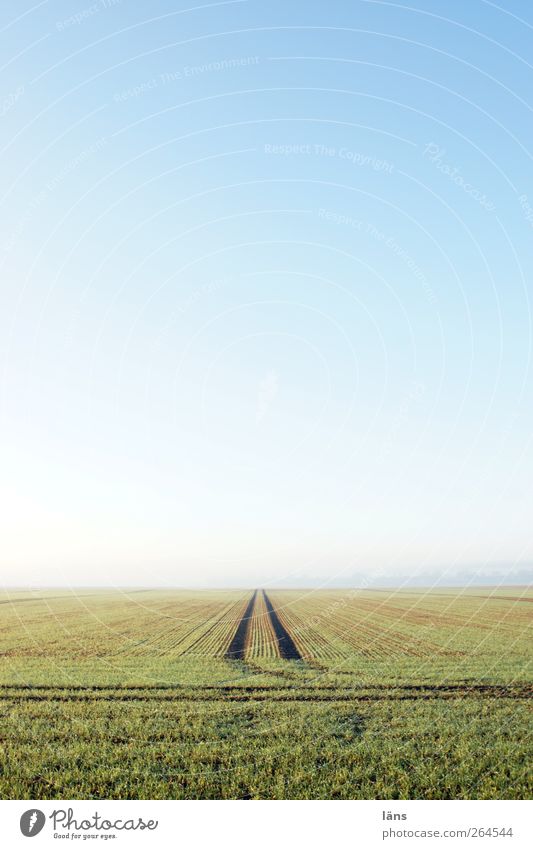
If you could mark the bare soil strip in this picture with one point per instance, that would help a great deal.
(504, 597)
(237, 647)
(286, 644)
(207, 693)
(522, 689)
(245, 695)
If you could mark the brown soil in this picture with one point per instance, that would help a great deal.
(239, 642)
(286, 644)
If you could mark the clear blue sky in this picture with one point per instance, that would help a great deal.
(265, 303)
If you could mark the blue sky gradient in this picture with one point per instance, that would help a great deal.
(265, 305)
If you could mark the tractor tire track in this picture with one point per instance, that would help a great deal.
(286, 644)
(519, 690)
(239, 642)
(271, 695)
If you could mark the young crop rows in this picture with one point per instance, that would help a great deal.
(325, 627)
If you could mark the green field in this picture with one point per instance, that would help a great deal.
(290, 694)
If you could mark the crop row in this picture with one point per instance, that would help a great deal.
(215, 640)
(262, 641)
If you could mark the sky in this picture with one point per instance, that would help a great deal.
(265, 292)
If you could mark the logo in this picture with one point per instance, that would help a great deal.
(32, 822)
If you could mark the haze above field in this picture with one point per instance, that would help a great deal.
(265, 314)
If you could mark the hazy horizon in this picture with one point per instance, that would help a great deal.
(435, 580)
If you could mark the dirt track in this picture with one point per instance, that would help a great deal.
(237, 647)
(241, 638)
(175, 693)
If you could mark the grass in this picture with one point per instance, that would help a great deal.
(397, 695)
